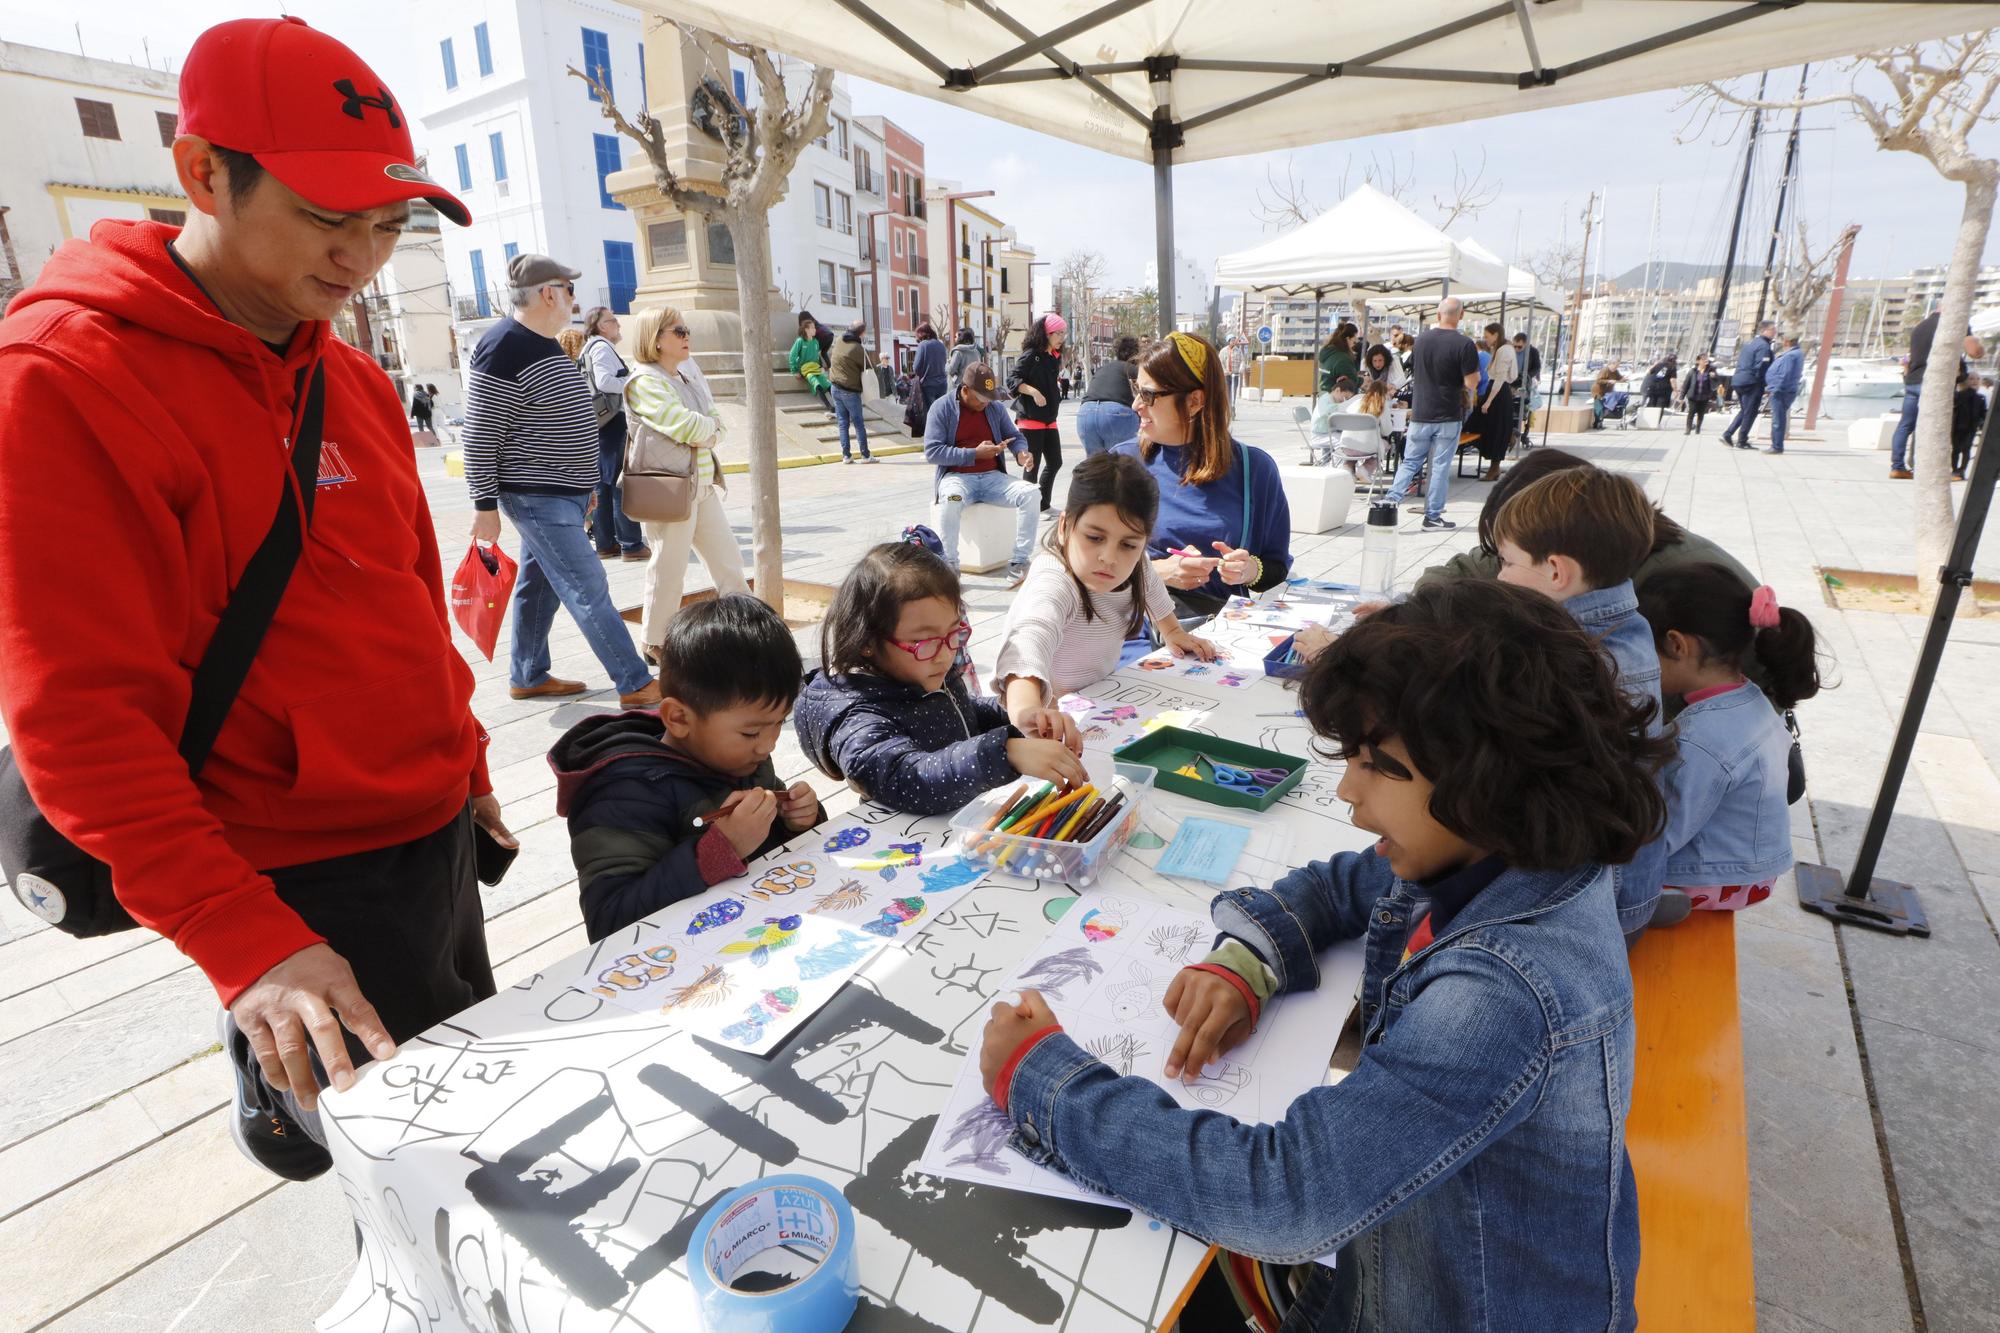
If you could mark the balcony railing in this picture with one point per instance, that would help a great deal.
(920, 266)
(867, 179)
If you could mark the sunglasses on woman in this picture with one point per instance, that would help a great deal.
(925, 650)
(1147, 397)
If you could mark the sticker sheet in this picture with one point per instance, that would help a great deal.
(1104, 968)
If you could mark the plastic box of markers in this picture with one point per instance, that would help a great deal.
(1077, 863)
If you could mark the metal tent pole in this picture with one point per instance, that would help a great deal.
(1163, 231)
(1865, 900)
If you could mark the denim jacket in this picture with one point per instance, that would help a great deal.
(1727, 822)
(1611, 616)
(1471, 1170)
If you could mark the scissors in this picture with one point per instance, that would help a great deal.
(1248, 781)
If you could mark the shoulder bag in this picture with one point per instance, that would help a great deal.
(658, 484)
(53, 877)
(603, 406)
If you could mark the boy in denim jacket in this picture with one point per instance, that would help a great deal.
(1471, 1171)
(1579, 536)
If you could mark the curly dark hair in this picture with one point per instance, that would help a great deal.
(1511, 710)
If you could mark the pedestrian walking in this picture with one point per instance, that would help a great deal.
(1753, 359)
(1781, 385)
(1968, 414)
(317, 864)
(1105, 418)
(420, 407)
(964, 352)
(1444, 373)
(845, 367)
(531, 453)
(616, 536)
(1035, 384)
(1697, 393)
(928, 367)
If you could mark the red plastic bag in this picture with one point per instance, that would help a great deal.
(479, 592)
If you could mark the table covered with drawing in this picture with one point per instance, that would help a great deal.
(545, 1160)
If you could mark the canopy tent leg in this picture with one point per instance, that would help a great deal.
(1163, 233)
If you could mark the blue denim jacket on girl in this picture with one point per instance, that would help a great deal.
(1611, 616)
(1471, 1170)
(1727, 820)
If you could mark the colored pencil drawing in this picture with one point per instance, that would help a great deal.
(750, 1028)
(944, 876)
(846, 840)
(636, 971)
(983, 1130)
(849, 895)
(899, 912)
(1098, 925)
(834, 956)
(1057, 972)
(759, 942)
(782, 880)
(714, 915)
(706, 991)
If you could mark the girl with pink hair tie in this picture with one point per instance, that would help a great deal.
(1728, 834)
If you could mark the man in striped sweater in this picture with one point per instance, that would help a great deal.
(531, 453)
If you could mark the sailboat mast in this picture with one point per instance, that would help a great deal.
(1736, 227)
(1784, 186)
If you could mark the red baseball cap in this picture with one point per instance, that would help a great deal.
(311, 113)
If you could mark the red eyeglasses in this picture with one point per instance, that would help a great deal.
(925, 650)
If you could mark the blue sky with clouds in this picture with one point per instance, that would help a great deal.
(1063, 198)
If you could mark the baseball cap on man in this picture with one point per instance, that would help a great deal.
(525, 271)
(311, 113)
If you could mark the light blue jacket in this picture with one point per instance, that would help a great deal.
(1611, 616)
(1787, 372)
(1727, 821)
(1471, 1170)
(941, 434)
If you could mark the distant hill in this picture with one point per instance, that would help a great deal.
(1671, 275)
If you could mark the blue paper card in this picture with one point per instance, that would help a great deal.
(1205, 849)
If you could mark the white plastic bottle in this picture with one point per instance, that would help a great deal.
(1378, 550)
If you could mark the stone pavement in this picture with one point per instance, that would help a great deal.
(1873, 1086)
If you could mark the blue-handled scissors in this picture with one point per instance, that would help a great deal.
(1249, 781)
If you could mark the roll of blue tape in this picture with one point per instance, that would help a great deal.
(789, 1212)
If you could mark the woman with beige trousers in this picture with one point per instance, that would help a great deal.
(668, 396)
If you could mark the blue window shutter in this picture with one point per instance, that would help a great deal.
(742, 94)
(499, 147)
(450, 64)
(479, 293)
(621, 275)
(512, 248)
(484, 47)
(464, 167)
(597, 59)
(608, 161)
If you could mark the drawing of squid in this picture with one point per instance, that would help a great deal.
(1058, 970)
(711, 988)
(760, 942)
(985, 1129)
(849, 895)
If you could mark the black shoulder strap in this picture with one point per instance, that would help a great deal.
(254, 602)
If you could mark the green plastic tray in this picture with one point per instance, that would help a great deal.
(1169, 748)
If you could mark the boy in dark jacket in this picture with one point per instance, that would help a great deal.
(662, 806)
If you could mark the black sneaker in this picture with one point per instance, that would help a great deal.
(1438, 524)
(265, 1133)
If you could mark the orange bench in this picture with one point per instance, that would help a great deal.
(1687, 1134)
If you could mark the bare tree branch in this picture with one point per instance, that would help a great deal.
(1288, 204)
(1471, 193)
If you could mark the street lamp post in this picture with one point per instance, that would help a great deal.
(874, 289)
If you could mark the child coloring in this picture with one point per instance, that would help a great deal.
(1471, 1171)
(889, 712)
(1088, 591)
(1729, 832)
(663, 805)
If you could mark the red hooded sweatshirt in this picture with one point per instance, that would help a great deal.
(143, 448)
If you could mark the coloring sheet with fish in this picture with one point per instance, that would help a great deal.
(736, 971)
(1125, 707)
(1104, 969)
(1285, 613)
(878, 880)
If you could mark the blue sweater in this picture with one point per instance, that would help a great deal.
(929, 366)
(1200, 516)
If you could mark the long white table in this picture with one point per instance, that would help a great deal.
(538, 1163)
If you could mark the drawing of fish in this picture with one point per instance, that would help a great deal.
(755, 1018)
(832, 957)
(846, 839)
(715, 914)
(894, 915)
(943, 877)
(1058, 970)
(760, 942)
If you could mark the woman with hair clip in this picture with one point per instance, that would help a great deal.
(1224, 527)
(1036, 384)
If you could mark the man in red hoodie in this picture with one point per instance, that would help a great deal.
(320, 870)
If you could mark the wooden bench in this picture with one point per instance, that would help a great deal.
(1687, 1134)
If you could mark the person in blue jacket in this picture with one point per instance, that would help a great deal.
(1753, 359)
(888, 711)
(967, 437)
(927, 367)
(1781, 384)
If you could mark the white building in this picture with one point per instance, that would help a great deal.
(965, 242)
(404, 317)
(1191, 286)
(872, 232)
(525, 144)
(87, 140)
(816, 242)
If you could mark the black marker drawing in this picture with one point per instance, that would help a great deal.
(1120, 1050)
(1138, 996)
(1176, 944)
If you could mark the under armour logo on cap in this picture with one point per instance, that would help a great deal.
(355, 102)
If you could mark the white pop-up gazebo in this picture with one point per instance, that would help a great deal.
(1188, 80)
(1367, 245)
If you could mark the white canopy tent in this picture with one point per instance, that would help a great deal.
(1367, 244)
(1188, 80)
(1985, 323)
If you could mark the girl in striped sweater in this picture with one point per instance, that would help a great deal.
(1087, 592)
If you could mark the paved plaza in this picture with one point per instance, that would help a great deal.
(1873, 1064)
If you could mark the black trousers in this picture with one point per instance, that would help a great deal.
(408, 920)
(1696, 411)
(1045, 447)
(1496, 427)
(1748, 400)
